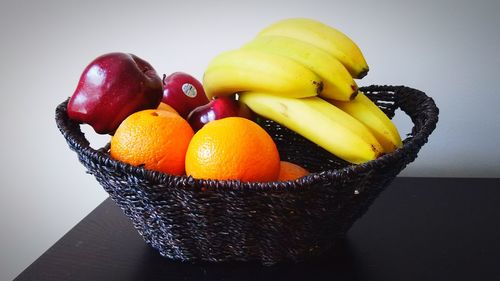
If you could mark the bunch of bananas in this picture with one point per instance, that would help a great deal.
(300, 73)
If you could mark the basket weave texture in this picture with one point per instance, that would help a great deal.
(209, 220)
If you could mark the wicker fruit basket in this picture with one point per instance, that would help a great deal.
(208, 220)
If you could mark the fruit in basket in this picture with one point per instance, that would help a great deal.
(155, 139)
(291, 72)
(368, 113)
(337, 81)
(112, 87)
(183, 92)
(291, 171)
(218, 108)
(251, 70)
(233, 148)
(325, 37)
(320, 122)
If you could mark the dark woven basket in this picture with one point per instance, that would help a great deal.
(209, 220)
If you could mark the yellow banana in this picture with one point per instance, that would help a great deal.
(252, 70)
(325, 37)
(320, 122)
(368, 113)
(338, 83)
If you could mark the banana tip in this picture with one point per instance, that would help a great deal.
(362, 73)
(354, 94)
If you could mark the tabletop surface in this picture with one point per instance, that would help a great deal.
(418, 229)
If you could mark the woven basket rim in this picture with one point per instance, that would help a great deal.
(77, 141)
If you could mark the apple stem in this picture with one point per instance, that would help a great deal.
(163, 80)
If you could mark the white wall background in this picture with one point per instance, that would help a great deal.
(449, 49)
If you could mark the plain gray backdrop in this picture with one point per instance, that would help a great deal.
(448, 49)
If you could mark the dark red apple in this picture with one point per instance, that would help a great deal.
(112, 87)
(218, 108)
(183, 92)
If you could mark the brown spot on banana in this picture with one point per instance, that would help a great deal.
(355, 93)
(283, 109)
(377, 152)
(319, 86)
(362, 73)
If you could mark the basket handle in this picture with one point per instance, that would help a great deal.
(416, 104)
(92, 158)
(74, 136)
(421, 109)
(423, 113)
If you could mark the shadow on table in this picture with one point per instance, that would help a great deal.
(337, 264)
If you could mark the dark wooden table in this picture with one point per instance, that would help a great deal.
(418, 229)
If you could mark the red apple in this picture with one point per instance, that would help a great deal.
(183, 92)
(112, 87)
(218, 108)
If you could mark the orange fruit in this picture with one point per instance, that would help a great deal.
(157, 139)
(290, 171)
(164, 106)
(233, 148)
